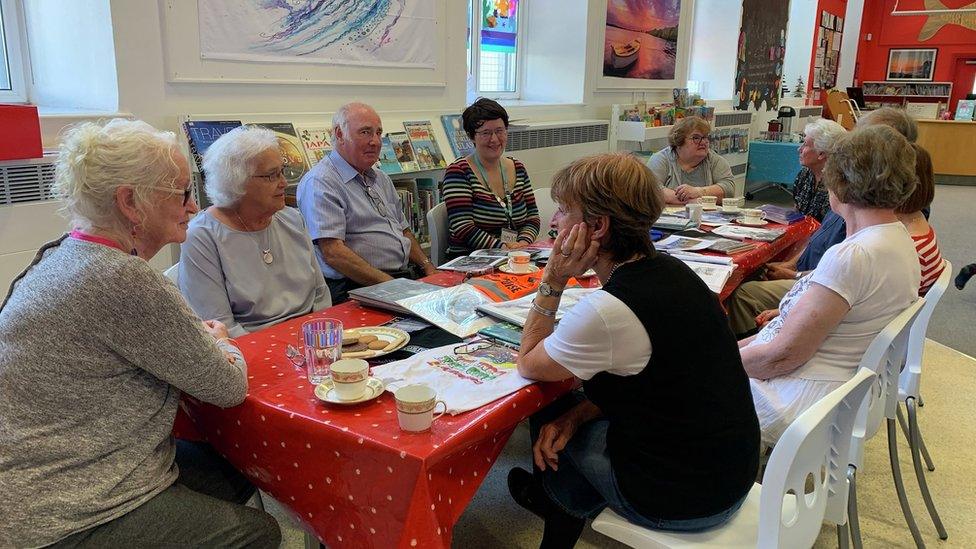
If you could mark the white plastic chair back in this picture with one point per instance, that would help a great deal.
(911, 375)
(437, 227)
(884, 357)
(173, 273)
(546, 207)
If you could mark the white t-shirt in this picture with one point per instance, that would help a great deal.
(876, 271)
(600, 334)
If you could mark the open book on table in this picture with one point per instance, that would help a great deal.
(517, 310)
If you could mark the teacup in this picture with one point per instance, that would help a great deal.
(753, 216)
(519, 262)
(732, 205)
(708, 202)
(415, 407)
(349, 378)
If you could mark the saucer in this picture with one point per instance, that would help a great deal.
(760, 223)
(505, 269)
(326, 392)
(730, 209)
(711, 208)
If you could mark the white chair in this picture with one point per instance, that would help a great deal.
(909, 382)
(781, 512)
(438, 229)
(546, 206)
(883, 357)
(173, 273)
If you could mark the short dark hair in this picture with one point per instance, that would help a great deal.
(925, 189)
(482, 111)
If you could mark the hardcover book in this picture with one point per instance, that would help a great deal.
(202, 133)
(317, 141)
(457, 138)
(472, 264)
(386, 294)
(425, 148)
(404, 151)
(388, 160)
(290, 146)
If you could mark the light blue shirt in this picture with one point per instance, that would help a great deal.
(335, 202)
(223, 275)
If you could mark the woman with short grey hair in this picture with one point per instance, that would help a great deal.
(827, 320)
(87, 398)
(809, 192)
(247, 260)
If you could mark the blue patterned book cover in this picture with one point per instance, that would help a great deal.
(202, 133)
(456, 136)
(388, 157)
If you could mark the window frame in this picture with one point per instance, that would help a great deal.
(16, 51)
(475, 53)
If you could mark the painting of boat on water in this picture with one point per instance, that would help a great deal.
(641, 39)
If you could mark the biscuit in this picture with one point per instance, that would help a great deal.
(354, 348)
(367, 339)
(350, 340)
(377, 345)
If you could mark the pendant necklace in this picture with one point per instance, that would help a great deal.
(266, 252)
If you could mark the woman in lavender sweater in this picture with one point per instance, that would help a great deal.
(95, 349)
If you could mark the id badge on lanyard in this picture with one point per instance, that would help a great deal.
(509, 236)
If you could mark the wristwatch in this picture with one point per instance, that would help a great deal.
(547, 290)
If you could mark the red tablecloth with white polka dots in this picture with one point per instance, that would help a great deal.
(348, 473)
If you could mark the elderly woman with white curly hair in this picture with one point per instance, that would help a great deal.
(247, 260)
(97, 348)
(809, 192)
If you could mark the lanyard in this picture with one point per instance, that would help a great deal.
(78, 234)
(507, 203)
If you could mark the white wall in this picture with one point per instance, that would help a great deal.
(799, 42)
(848, 46)
(715, 35)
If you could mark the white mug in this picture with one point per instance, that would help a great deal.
(349, 378)
(694, 212)
(708, 201)
(518, 262)
(753, 216)
(415, 407)
(733, 204)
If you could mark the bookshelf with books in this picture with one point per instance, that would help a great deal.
(902, 92)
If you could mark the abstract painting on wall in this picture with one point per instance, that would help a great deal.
(641, 39)
(384, 33)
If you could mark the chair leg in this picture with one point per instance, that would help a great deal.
(921, 442)
(843, 537)
(919, 474)
(852, 520)
(900, 485)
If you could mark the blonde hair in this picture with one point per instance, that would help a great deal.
(96, 159)
(685, 127)
(896, 117)
(872, 167)
(617, 186)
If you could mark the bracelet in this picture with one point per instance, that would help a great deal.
(229, 340)
(427, 262)
(543, 311)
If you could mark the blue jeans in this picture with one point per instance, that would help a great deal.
(585, 482)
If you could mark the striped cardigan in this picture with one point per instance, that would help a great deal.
(475, 217)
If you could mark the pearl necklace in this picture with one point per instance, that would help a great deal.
(265, 253)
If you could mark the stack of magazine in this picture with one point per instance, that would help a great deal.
(781, 214)
(739, 232)
(718, 244)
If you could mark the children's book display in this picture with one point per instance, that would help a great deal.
(388, 158)
(427, 152)
(317, 141)
(457, 138)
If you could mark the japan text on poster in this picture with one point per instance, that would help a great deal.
(499, 25)
(761, 48)
(641, 39)
(392, 33)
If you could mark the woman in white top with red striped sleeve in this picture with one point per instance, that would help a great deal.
(910, 214)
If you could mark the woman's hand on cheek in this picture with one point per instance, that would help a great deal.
(573, 253)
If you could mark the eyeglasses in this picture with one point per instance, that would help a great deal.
(185, 192)
(376, 200)
(486, 134)
(472, 347)
(273, 176)
(697, 139)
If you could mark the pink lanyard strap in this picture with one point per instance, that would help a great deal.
(77, 234)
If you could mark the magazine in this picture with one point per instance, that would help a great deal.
(673, 223)
(781, 214)
(385, 294)
(454, 309)
(290, 147)
(714, 275)
(472, 264)
(739, 232)
(388, 162)
(506, 287)
(517, 311)
(202, 133)
(404, 151)
(676, 243)
(317, 141)
(425, 149)
(457, 138)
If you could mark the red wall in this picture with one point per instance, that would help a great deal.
(953, 41)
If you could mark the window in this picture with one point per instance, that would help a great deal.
(493, 48)
(12, 54)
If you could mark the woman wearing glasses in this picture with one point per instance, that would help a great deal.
(688, 169)
(488, 195)
(97, 348)
(247, 260)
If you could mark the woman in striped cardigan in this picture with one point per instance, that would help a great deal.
(488, 195)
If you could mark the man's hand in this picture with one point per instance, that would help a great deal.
(780, 270)
(553, 438)
(429, 268)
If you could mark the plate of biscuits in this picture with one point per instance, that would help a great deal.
(372, 341)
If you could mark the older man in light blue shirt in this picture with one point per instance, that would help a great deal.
(353, 212)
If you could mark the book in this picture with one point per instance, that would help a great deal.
(714, 275)
(506, 332)
(404, 151)
(965, 109)
(292, 151)
(739, 232)
(673, 223)
(782, 214)
(718, 243)
(200, 134)
(472, 264)
(388, 162)
(676, 243)
(517, 310)
(506, 287)
(457, 138)
(453, 309)
(317, 141)
(426, 151)
(386, 294)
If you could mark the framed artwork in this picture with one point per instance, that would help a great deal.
(911, 64)
(645, 45)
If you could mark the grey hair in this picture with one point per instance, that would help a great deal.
(95, 159)
(341, 117)
(897, 118)
(824, 133)
(872, 167)
(230, 160)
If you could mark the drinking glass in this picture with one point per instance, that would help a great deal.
(322, 346)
